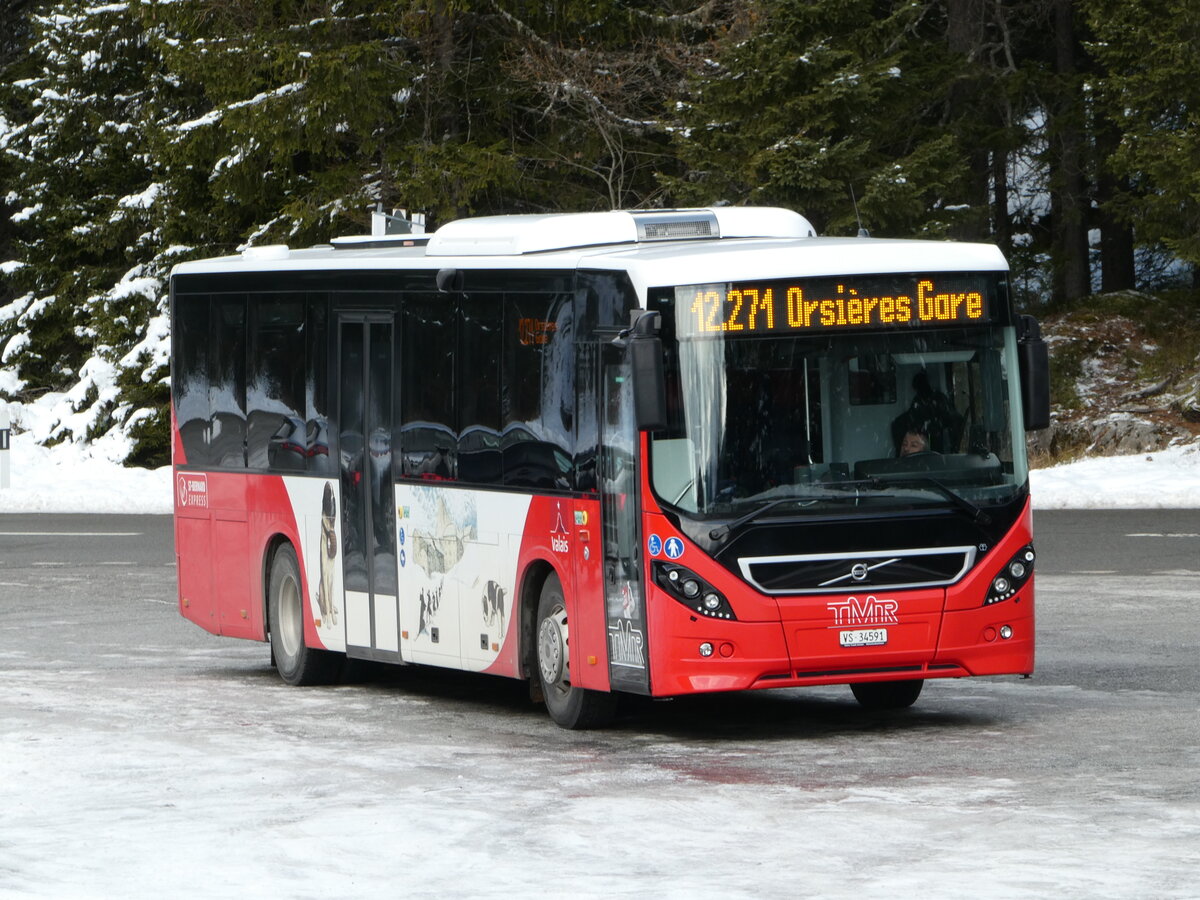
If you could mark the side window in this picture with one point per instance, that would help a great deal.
(275, 424)
(227, 382)
(539, 379)
(478, 384)
(317, 450)
(428, 435)
(191, 340)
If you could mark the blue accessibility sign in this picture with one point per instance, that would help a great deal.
(674, 548)
(654, 545)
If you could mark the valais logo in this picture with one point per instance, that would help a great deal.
(559, 534)
(192, 489)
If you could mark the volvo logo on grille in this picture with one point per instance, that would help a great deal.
(860, 571)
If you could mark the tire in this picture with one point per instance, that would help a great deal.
(286, 608)
(569, 706)
(887, 694)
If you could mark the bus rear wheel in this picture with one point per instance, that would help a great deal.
(887, 694)
(569, 706)
(297, 664)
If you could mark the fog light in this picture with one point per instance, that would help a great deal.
(691, 588)
(706, 649)
(1000, 585)
(1006, 631)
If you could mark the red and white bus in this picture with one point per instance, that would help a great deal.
(657, 453)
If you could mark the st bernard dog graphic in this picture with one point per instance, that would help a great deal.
(328, 555)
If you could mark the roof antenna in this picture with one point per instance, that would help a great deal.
(862, 232)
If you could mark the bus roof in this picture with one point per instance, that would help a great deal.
(656, 248)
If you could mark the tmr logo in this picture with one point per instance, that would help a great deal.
(191, 489)
(867, 611)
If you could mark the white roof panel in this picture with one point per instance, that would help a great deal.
(611, 241)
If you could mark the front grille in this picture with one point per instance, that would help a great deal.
(827, 573)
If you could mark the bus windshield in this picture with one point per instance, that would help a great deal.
(837, 422)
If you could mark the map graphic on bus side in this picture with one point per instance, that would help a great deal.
(440, 525)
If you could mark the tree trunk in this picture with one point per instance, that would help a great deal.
(964, 36)
(1069, 199)
(1117, 270)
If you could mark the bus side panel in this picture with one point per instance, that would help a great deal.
(212, 545)
(193, 546)
(551, 536)
(307, 514)
(224, 526)
(589, 628)
(233, 580)
(458, 554)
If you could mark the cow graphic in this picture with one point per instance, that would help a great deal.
(327, 555)
(493, 605)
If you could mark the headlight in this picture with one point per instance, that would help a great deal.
(1012, 577)
(692, 591)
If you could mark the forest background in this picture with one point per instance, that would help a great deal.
(135, 135)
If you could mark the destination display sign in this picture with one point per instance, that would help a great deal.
(747, 309)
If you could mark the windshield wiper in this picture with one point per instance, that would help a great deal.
(834, 493)
(977, 514)
(722, 530)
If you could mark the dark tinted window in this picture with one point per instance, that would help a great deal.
(429, 434)
(227, 382)
(539, 390)
(479, 374)
(316, 388)
(190, 338)
(275, 392)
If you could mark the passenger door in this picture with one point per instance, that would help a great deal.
(620, 514)
(366, 353)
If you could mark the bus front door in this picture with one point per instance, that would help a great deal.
(625, 609)
(365, 404)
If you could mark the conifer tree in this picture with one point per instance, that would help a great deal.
(83, 190)
(825, 104)
(1149, 89)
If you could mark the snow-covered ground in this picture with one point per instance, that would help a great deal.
(70, 478)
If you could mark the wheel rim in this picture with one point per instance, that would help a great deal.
(553, 650)
(291, 633)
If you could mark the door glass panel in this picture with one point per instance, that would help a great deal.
(351, 424)
(626, 611)
(379, 448)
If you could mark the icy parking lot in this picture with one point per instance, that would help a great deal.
(140, 756)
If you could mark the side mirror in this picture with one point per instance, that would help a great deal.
(646, 367)
(1033, 359)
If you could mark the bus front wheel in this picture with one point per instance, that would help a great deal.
(568, 705)
(297, 664)
(887, 694)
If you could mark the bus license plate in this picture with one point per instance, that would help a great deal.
(867, 637)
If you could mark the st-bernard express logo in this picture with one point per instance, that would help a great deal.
(191, 489)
